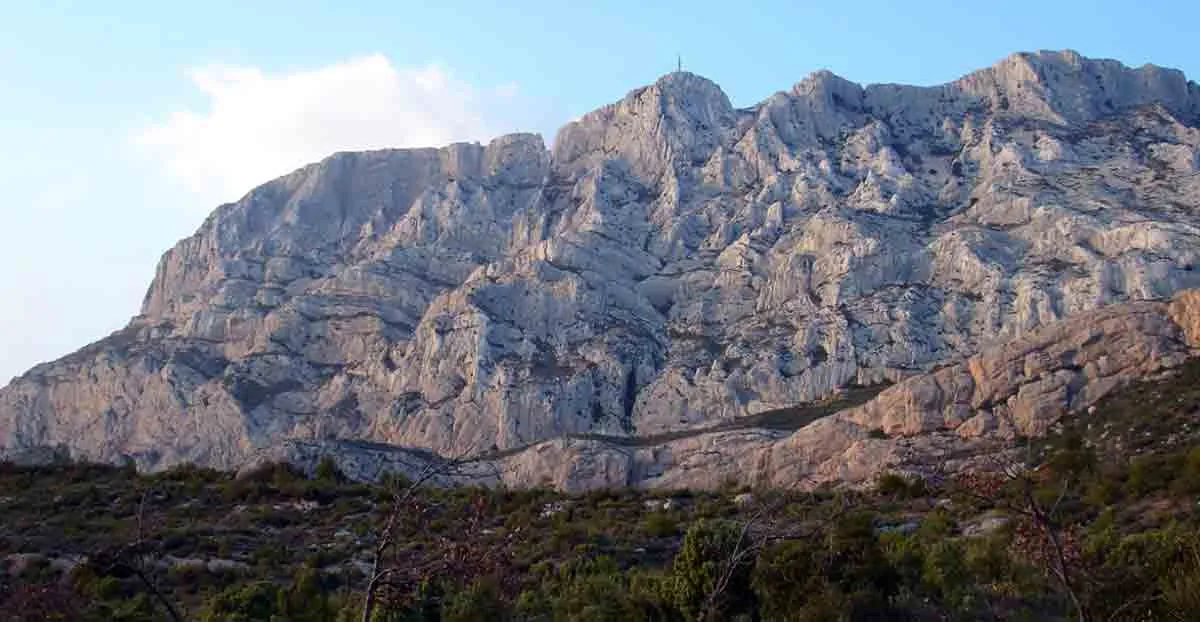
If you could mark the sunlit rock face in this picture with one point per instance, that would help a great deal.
(963, 416)
(671, 263)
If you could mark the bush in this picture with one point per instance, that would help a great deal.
(1146, 565)
(785, 578)
(1181, 592)
(900, 486)
(706, 555)
(242, 603)
(1151, 474)
(481, 602)
(1188, 481)
(305, 600)
(189, 473)
(109, 588)
(660, 525)
(590, 589)
(944, 573)
(328, 471)
(1073, 460)
(856, 561)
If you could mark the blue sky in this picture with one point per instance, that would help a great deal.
(124, 123)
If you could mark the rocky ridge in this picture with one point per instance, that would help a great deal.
(960, 417)
(672, 263)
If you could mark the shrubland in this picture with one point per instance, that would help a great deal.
(1097, 521)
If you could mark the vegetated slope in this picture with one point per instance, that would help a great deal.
(1121, 504)
(672, 263)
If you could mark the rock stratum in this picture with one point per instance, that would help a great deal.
(627, 307)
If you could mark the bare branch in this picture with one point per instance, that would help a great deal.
(434, 467)
(132, 558)
(754, 536)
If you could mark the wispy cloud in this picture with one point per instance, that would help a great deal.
(259, 125)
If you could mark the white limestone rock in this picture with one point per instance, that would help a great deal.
(673, 264)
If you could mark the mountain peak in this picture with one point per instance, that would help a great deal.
(828, 87)
(1066, 87)
(678, 118)
(686, 82)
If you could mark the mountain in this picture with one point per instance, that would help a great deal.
(674, 271)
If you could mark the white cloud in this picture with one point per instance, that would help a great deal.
(259, 125)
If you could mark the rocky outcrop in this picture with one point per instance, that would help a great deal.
(958, 417)
(1027, 384)
(672, 263)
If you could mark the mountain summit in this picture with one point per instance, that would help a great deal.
(674, 264)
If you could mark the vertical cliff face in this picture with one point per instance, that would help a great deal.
(674, 262)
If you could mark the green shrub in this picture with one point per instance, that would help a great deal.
(305, 600)
(109, 588)
(187, 472)
(706, 556)
(988, 560)
(1188, 481)
(1141, 565)
(481, 602)
(906, 556)
(1105, 489)
(856, 561)
(900, 486)
(1072, 459)
(1152, 474)
(586, 589)
(242, 603)
(944, 572)
(138, 608)
(660, 525)
(328, 471)
(1181, 592)
(786, 576)
(936, 525)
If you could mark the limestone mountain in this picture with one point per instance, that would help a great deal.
(672, 263)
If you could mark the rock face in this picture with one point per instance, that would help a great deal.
(961, 416)
(672, 263)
